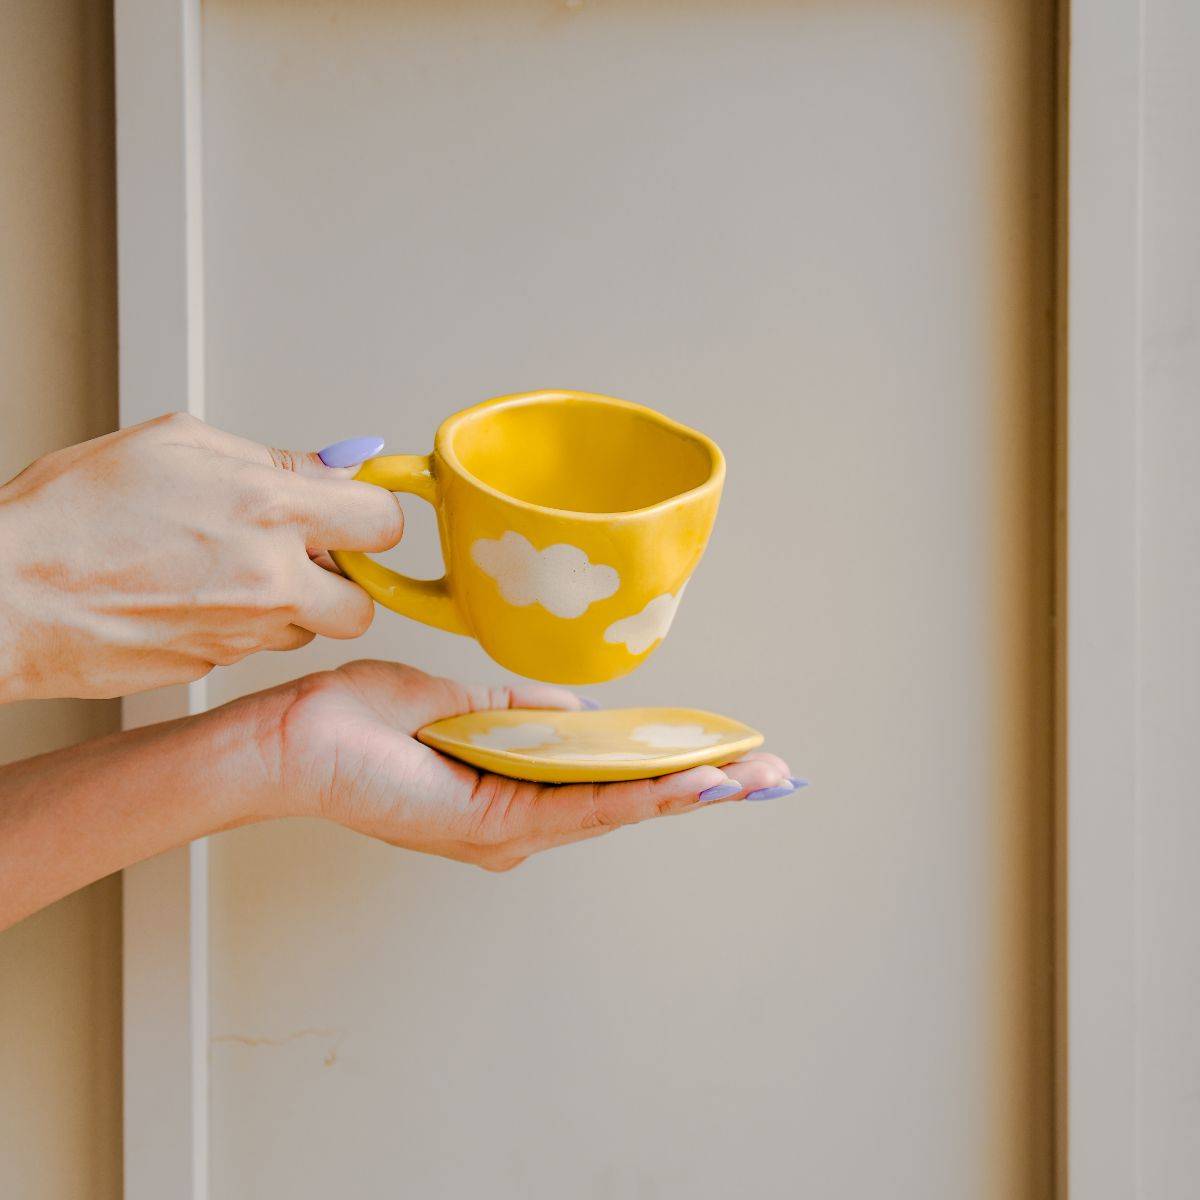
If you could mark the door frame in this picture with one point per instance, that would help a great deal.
(1100, 398)
(161, 289)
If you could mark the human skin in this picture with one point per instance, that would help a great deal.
(148, 556)
(338, 745)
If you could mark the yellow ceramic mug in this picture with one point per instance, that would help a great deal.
(569, 525)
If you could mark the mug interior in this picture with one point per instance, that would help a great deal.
(581, 454)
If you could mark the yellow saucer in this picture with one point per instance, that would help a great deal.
(550, 746)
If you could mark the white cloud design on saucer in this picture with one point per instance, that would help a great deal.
(642, 630)
(585, 756)
(675, 737)
(560, 578)
(526, 736)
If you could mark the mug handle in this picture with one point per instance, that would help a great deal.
(426, 600)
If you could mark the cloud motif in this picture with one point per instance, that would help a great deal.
(585, 756)
(560, 578)
(675, 737)
(525, 736)
(643, 629)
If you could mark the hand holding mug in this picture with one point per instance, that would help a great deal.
(148, 556)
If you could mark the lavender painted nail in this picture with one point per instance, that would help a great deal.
(351, 452)
(797, 783)
(772, 793)
(588, 703)
(719, 791)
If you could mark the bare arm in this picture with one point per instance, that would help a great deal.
(73, 816)
(337, 745)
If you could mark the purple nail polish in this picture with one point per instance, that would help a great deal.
(772, 793)
(588, 703)
(797, 783)
(351, 452)
(719, 791)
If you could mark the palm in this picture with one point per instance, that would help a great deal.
(349, 737)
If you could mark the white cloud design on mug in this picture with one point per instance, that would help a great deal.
(640, 631)
(560, 578)
(526, 736)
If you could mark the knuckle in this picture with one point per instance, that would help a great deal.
(493, 813)
(391, 519)
(179, 422)
(664, 807)
(266, 589)
(377, 513)
(479, 697)
(501, 864)
(351, 618)
(234, 648)
(360, 616)
(262, 501)
(596, 815)
(459, 697)
(285, 460)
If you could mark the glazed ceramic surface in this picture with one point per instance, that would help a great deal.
(569, 523)
(590, 747)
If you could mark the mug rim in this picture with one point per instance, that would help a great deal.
(444, 449)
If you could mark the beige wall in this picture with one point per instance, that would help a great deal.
(821, 232)
(1168, 1134)
(60, 1004)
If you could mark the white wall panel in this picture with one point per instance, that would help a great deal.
(822, 233)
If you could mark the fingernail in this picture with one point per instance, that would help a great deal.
(351, 452)
(772, 793)
(588, 703)
(719, 791)
(797, 783)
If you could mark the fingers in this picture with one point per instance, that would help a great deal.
(184, 429)
(752, 775)
(555, 811)
(333, 606)
(331, 510)
(339, 514)
(538, 818)
(409, 698)
(610, 805)
(291, 637)
(338, 461)
(768, 757)
(480, 697)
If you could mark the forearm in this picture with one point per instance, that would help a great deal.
(71, 817)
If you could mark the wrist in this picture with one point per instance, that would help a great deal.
(247, 737)
(230, 749)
